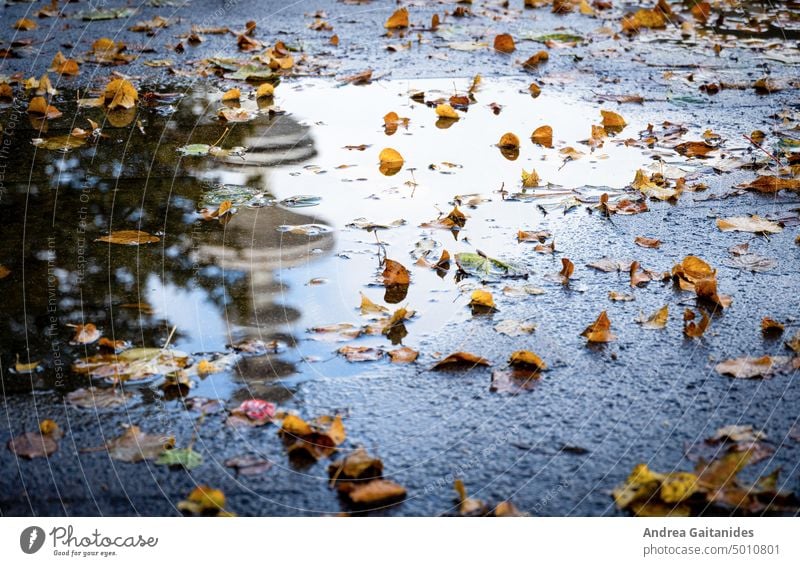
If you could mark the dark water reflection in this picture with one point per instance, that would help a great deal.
(215, 283)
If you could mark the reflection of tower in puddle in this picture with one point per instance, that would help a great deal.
(252, 254)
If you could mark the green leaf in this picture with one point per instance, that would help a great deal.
(563, 37)
(484, 267)
(185, 457)
(253, 73)
(97, 15)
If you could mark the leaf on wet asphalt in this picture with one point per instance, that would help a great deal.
(340, 332)
(647, 242)
(656, 320)
(204, 500)
(235, 115)
(772, 184)
(478, 265)
(543, 135)
(265, 90)
(753, 223)
(643, 19)
(360, 353)
(317, 438)
(97, 398)
(468, 506)
(617, 296)
(185, 457)
(252, 412)
(461, 359)
(230, 95)
(64, 66)
(377, 492)
(358, 465)
(38, 444)
(747, 367)
(526, 358)
(248, 465)
(694, 329)
(129, 238)
(134, 445)
(771, 327)
(600, 330)
(514, 327)
(752, 262)
(404, 355)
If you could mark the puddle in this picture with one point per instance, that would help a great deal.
(295, 254)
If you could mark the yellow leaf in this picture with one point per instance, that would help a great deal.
(527, 358)
(446, 111)
(612, 119)
(25, 24)
(543, 135)
(657, 320)
(398, 20)
(265, 90)
(232, 94)
(508, 141)
(390, 161)
(120, 94)
(600, 330)
(530, 180)
(754, 224)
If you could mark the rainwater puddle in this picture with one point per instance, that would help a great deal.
(314, 217)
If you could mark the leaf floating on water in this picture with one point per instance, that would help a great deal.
(129, 238)
(96, 398)
(390, 161)
(377, 492)
(504, 43)
(543, 135)
(120, 93)
(771, 184)
(360, 353)
(395, 274)
(399, 19)
(655, 321)
(318, 438)
(252, 412)
(403, 355)
(483, 267)
(305, 229)
(482, 302)
(37, 444)
(85, 333)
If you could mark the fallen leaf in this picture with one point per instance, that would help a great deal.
(514, 327)
(612, 120)
(643, 18)
(38, 444)
(600, 330)
(233, 94)
(656, 320)
(96, 398)
(771, 184)
(129, 238)
(447, 112)
(360, 353)
(482, 302)
(771, 326)
(377, 492)
(64, 66)
(358, 465)
(695, 329)
(252, 412)
(85, 333)
(460, 359)
(134, 445)
(318, 438)
(535, 60)
(24, 24)
(204, 500)
(390, 161)
(508, 141)
(616, 296)
(403, 355)
(265, 90)
(748, 367)
(504, 43)
(754, 224)
(468, 506)
(647, 242)
(399, 19)
(395, 274)
(248, 465)
(120, 94)
(694, 149)
(185, 457)
(526, 358)
(543, 135)
(39, 106)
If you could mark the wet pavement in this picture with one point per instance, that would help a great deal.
(296, 256)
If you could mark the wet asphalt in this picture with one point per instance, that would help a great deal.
(557, 450)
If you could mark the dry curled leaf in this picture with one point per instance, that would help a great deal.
(656, 320)
(600, 330)
(535, 60)
(754, 224)
(460, 359)
(504, 43)
(543, 135)
(390, 161)
(748, 367)
(404, 355)
(399, 19)
(360, 353)
(120, 93)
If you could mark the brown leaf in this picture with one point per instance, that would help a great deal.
(508, 141)
(85, 333)
(461, 359)
(771, 184)
(390, 161)
(129, 238)
(694, 148)
(612, 119)
(695, 329)
(377, 492)
(754, 224)
(120, 94)
(600, 330)
(39, 106)
(360, 353)
(655, 321)
(526, 358)
(543, 135)
(403, 355)
(358, 465)
(647, 242)
(135, 445)
(535, 60)
(748, 368)
(504, 43)
(395, 274)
